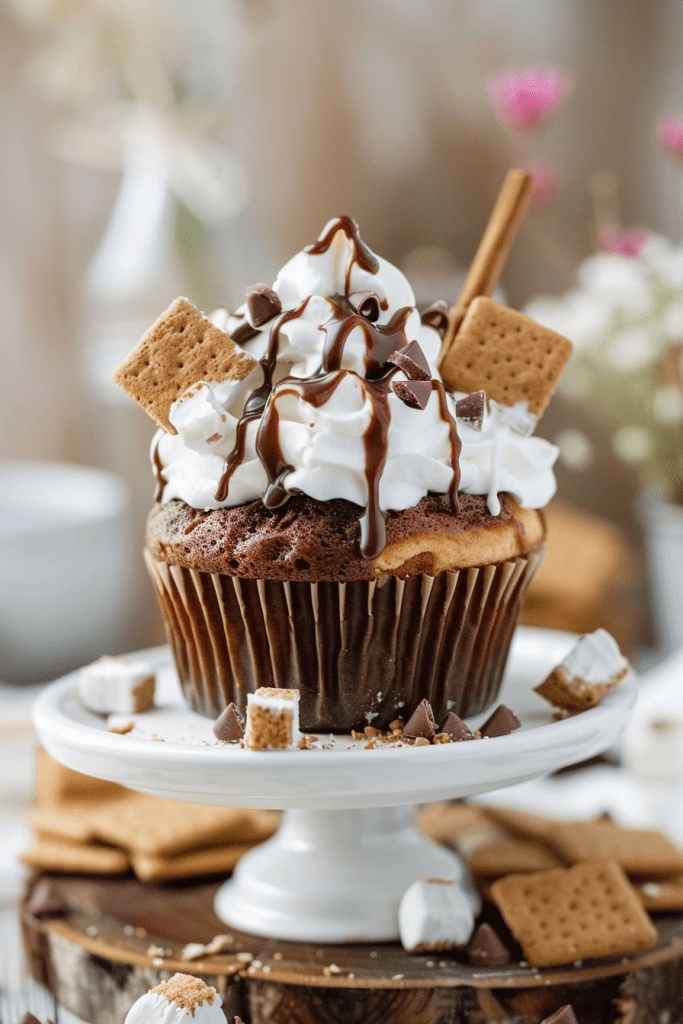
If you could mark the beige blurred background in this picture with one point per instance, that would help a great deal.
(372, 107)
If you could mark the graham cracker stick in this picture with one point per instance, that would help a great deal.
(493, 249)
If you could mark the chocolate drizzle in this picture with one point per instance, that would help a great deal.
(360, 254)
(382, 341)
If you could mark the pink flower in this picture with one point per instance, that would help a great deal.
(546, 179)
(522, 99)
(670, 136)
(621, 242)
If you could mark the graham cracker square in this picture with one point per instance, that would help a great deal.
(566, 914)
(506, 354)
(181, 349)
(638, 851)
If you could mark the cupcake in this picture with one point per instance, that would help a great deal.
(331, 514)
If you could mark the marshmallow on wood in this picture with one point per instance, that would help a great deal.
(434, 914)
(117, 686)
(272, 719)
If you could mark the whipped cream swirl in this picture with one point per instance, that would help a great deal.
(320, 413)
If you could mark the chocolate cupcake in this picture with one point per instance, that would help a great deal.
(329, 517)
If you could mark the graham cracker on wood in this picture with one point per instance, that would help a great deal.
(639, 852)
(567, 914)
(75, 858)
(574, 695)
(510, 857)
(181, 349)
(55, 783)
(155, 825)
(150, 867)
(521, 823)
(506, 354)
(663, 895)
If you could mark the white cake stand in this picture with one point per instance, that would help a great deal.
(347, 847)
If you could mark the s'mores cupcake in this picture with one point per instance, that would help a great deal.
(333, 515)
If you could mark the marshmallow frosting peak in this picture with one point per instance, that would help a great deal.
(177, 1001)
(318, 413)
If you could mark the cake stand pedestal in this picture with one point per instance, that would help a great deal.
(347, 847)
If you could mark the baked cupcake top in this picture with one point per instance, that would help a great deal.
(327, 385)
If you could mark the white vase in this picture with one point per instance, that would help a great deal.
(664, 545)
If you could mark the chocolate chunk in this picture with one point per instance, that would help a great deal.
(436, 316)
(28, 1018)
(369, 308)
(229, 725)
(46, 901)
(565, 1015)
(413, 392)
(412, 360)
(486, 949)
(263, 304)
(455, 728)
(501, 723)
(471, 409)
(421, 722)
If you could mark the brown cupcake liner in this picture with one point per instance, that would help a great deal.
(360, 653)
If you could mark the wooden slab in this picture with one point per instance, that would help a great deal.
(95, 960)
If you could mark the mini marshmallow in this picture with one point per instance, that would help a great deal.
(183, 998)
(434, 914)
(117, 685)
(272, 719)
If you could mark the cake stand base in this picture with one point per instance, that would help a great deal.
(335, 876)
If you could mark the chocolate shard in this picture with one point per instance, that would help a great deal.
(471, 409)
(28, 1018)
(229, 725)
(413, 392)
(501, 723)
(46, 901)
(565, 1015)
(486, 949)
(455, 728)
(436, 316)
(412, 360)
(263, 304)
(421, 722)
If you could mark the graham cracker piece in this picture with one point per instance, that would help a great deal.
(71, 822)
(453, 822)
(186, 991)
(567, 914)
(521, 823)
(562, 691)
(637, 851)
(663, 895)
(181, 349)
(511, 856)
(75, 858)
(151, 867)
(154, 825)
(55, 783)
(508, 355)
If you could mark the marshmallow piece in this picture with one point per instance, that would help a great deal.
(182, 998)
(272, 719)
(117, 685)
(434, 914)
(593, 666)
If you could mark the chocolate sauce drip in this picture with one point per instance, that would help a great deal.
(456, 444)
(436, 316)
(361, 255)
(244, 332)
(381, 340)
(161, 480)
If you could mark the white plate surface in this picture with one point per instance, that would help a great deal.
(184, 762)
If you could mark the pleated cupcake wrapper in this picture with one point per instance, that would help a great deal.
(360, 653)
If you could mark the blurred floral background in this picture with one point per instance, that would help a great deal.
(153, 149)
